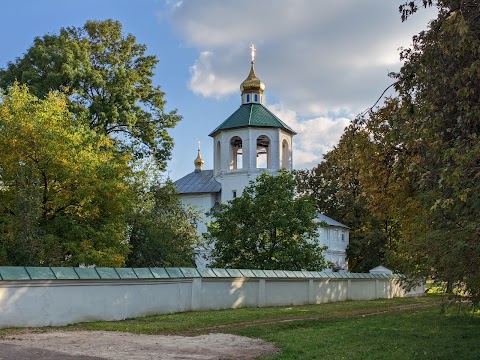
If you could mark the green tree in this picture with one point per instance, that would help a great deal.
(64, 189)
(162, 231)
(336, 185)
(417, 165)
(268, 227)
(419, 160)
(108, 80)
(439, 86)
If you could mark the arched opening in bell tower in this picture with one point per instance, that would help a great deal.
(236, 151)
(285, 154)
(218, 161)
(263, 152)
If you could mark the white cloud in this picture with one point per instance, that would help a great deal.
(206, 82)
(326, 60)
(314, 136)
(314, 57)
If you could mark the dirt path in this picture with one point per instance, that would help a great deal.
(118, 345)
(343, 314)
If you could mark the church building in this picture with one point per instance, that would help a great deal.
(250, 141)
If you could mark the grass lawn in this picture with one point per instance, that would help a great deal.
(201, 322)
(402, 328)
(411, 334)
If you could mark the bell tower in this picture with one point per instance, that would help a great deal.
(252, 140)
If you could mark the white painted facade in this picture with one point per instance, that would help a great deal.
(202, 202)
(235, 167)
(336, 239)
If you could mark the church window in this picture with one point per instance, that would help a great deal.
(234, 194)
(248, 98)
(256, 97)
(236, 160)
(263, 152)
(335, 235)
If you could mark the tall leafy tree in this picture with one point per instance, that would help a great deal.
(162, 231)
(419, 162)
(268, 227)
(336, 187)
(108, 80)
(439, 86)
(64, 189)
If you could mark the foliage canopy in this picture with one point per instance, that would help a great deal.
(64, 193)
(108, 80)
(417, 157)
(162, 230)
(268, 227)
(70, 188)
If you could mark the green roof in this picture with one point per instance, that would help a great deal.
(252, 115)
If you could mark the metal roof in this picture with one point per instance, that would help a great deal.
(330, 221)
(198, 182)
(17, 273)
(255, 115)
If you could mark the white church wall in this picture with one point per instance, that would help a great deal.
(336, 239)
(202, 202)
(234, 180)
(284, 136)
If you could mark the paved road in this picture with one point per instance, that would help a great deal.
(17, 352)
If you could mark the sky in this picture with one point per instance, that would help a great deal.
(322, 62)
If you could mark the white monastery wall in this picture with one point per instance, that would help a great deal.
(59, 302)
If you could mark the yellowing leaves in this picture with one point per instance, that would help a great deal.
(78, 179)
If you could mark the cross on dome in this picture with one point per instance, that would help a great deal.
(252, 88)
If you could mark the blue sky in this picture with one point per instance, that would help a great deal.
(322, 62)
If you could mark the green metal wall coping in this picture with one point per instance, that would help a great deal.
(15, 273)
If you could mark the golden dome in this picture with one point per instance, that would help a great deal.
(198, 162)
(252, 83)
